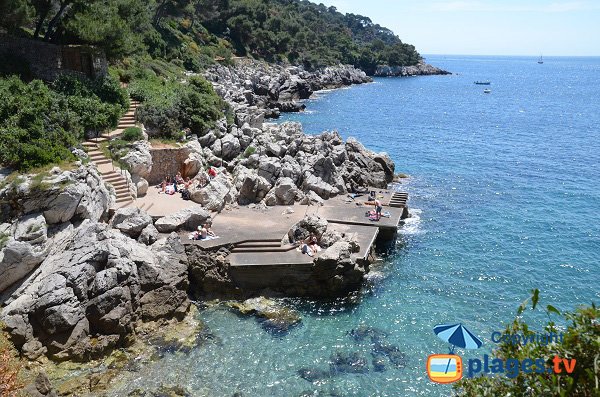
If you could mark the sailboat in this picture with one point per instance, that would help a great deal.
(541, 60)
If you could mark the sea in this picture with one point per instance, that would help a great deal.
(504, 196)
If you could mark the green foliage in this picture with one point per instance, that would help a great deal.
(132, 134)
(4, 239)
(193, 33)
(250, 150)
(581, 341)
(39, 123)
(169, 106)
(303, 32)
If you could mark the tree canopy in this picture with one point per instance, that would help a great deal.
(198, 31)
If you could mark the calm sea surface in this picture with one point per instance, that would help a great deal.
(505, 196)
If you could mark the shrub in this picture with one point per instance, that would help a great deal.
(581, 341)
(132, 134)
(170, 106)
(250, 150)
(39, 123)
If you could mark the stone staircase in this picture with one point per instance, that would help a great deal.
(265, 245)
(398, 200)
(111, 174)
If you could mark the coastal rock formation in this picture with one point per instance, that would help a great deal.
(274, 316)
(86, 297)
(420, 69)
(61, 196)
(267, 89)
(39, 212)
(130, 221)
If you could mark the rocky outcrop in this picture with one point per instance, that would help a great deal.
(215, 194)
(420, 69)
(39, 211)
(131, 221)
(259, 88)
(61, 196)
(188, 219)
(87, 296)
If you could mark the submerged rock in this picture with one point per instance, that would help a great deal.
(274, 316)
(352, 363)
(313, 374)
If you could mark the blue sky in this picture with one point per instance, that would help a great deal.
(493, 27)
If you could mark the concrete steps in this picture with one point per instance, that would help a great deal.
(256, 246)
(113, 177)
(398, 200)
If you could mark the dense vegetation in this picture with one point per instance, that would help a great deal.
(581, 341)
(40, 122)
(195, 32)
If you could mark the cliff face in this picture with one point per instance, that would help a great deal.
(421, 69)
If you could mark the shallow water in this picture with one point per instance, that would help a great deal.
(505, 198)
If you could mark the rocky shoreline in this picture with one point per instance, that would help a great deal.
(78, 282)
(421, 69)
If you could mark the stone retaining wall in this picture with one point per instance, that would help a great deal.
(48, 61)
(166, 162)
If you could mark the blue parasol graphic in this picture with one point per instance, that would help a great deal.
(458, 336)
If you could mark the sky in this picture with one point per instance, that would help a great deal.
(487, 27)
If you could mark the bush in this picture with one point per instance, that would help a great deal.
(581, 341)
(170, 106)
(10, 382)
(250, 150)
(40, 123)
(132, 134)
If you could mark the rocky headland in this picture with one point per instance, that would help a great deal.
(78, 280)
(420, 69)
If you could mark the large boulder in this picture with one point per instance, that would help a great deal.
(139, 159)
(131, 221)
(230, 147)
(215, 194)
(253, 189)
(285, 192)
(303, 228)
(188, 219)
(87, 296)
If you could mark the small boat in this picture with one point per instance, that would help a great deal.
(487, 91)
(541, 60)
(483, 83)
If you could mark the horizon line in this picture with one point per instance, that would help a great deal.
(510, 55)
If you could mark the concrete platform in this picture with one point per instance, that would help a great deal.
(345, 215)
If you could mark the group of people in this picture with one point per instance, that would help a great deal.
(310, 245)
(177, 184)
(204, 232)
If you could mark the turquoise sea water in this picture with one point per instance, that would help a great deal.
(505, 196)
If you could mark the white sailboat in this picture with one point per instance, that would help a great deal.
(541, 60)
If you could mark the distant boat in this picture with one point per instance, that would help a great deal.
(487, 91)
(483, 83)
(541, 60)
